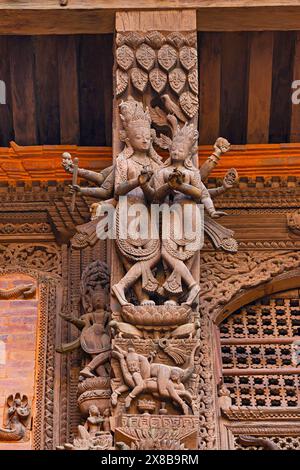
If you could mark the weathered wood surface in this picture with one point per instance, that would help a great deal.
(209, 86)
(260, 86)
(97, 16)
(234, 79)
(144, 4)
(281, 103)
(58, 89)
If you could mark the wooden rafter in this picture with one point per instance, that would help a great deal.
(97, 16)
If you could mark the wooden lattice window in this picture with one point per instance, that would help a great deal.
(259, 362)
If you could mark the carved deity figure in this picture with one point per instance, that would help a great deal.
(179, 183)
(94, 338)
(135, 166)
(17, 418)
(164, 381)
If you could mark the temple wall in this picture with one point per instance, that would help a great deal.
(18, 326)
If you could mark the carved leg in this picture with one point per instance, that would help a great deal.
(130, 278)
(138, 389)
(185, 274)
(115, 395)
(95, 363)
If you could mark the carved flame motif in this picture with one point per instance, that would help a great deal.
(188, 57)
(158, 80)
(124, 57)
(193, 80)
(145, 56)
(122, 81)
(177, 79)
(167, 57)
(139, 79)
(189, 104)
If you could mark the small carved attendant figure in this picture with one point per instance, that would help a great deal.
(180, 184)
(134, 168)
(18, 415)
(92, 426)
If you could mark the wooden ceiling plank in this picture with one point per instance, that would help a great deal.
(80, 17)
(22, 85)
(295, 117)
(260, 87)
(6, 119)
(234, 76)
(209, 87)
(68, 90)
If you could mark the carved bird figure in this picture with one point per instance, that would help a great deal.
(125, 329)
(173, 108)
(185, 331)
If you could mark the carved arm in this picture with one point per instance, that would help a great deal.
(221, 146)
(123, 188)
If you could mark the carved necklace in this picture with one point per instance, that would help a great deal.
(143, 164)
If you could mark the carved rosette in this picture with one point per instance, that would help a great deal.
(157, 63)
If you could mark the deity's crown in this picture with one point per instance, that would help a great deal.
(187, 133)
(133, 114)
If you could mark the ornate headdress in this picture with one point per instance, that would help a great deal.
(132, 114)
(188, 133)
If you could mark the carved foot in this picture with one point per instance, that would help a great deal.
(128, 402)
(119, 293)
(173, 303)
(185, 409)
(114, 399)
(193, 294)
(86, 373)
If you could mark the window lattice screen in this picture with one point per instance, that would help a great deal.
(259, 366)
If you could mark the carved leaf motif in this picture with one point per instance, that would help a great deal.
(133, 39)
(125, 57)
(145, 56)
(191, 39)
(120, 39)
(139, 79)
(176, 39)
(158, 80)
(189, 104)
(177, 79)
(193, 80)
(155, 39)
(122, 81)
(188, 57)
(167, 57)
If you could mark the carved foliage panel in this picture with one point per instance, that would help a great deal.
(161, 65)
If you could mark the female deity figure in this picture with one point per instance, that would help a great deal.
(134, 167)
(179, 183)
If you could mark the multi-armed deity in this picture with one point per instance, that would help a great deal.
(154, 324)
